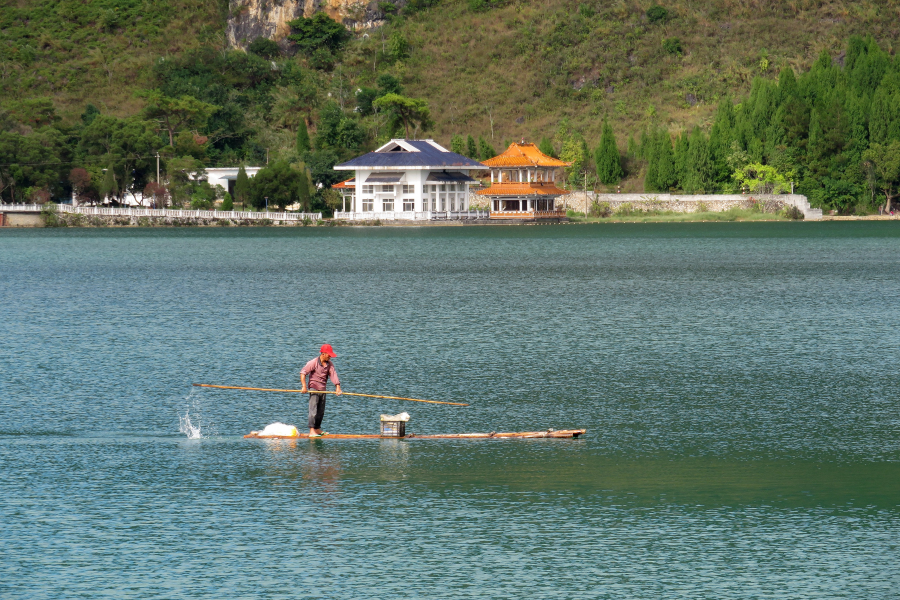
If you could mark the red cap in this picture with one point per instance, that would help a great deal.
(327, 349)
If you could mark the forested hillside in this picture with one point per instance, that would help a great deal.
(692, 96)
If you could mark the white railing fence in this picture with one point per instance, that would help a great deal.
(165, 212)
(397, 215)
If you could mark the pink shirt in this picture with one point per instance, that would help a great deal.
(318, 374)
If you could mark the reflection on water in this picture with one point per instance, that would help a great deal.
(742, 418)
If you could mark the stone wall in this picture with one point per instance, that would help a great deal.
(650, 201)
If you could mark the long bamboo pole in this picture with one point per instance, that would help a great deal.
(236, 387)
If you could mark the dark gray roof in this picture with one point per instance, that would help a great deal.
(449, 177)
(389, 177)
(427, 156)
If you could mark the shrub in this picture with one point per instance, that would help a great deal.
(600, 209)
(657, 14)
(627, 210)
(672, 46)
(264, 47)
(792, 212)
(227, 202)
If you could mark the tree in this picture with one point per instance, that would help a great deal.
(303, 144)
(264, 47)
(546, 146)
(316, 32)
(471, 148)
(242, 187)
(762, 179)
(278, 182)
(157, 193)
(109, 187)
(607, 159)
(408, 111)
(82, 188)
(485, 150)
(885, 159)
(227, 202)
(175, 113)
(458, 144)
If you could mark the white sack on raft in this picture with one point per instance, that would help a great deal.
(404, 416)
(280, 429)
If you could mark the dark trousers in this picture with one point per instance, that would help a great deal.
(316, 410)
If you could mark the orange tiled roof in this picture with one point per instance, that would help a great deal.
(521, 189)
(524, 155)
(350, 183)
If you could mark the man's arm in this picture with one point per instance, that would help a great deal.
(336, 381)
(303, 389)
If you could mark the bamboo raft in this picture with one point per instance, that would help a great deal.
(494, 435)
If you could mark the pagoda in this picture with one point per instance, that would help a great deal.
(523, 184)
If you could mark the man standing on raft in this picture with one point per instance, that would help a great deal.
(319, 369)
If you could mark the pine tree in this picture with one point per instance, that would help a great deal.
(485, 150)
(242, 188)
(458, 144)
(680, 159)
(667, 177)
(227, 202)
(607, 159)
(698, 166)
(108, 188)
(651, 155)
(303, 144)
(471, 148)
(546, 146)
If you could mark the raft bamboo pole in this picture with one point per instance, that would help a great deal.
(236, 387)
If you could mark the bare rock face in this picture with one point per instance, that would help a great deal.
(250, 19)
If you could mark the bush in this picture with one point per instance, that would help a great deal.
(227, 203)
(600, 209)
(792, 212)
(672, 46)
(627, 210)
(264, 47)
(657, 14)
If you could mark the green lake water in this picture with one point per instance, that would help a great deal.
(738, 382)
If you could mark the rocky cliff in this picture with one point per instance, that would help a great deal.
(250, 19)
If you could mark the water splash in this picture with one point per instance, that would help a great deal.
(192, 427)
(186, 427)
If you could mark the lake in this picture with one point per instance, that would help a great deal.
(738, 382)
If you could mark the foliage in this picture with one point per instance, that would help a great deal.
(405, 111)
(278, 185)
(242, 187)
(318, 32)
(762, 179)
(485, 150)
(227, 203)
(458, 145)
(607, 159)
(264, 47)
(672, 46)
(657, 14)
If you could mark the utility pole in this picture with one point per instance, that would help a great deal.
(157, 168)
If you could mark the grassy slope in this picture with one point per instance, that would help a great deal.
(98, 51)
(521, 61)
(526, 59)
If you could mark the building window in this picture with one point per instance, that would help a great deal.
(368, 189)
(443, 187)
(387, 206)
(367, 205)
(387, 189)
(409, 189)
(409, 205)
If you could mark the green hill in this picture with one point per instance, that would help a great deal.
(495, 71)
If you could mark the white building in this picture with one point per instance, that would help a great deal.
(226, 176)
(406, 179)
